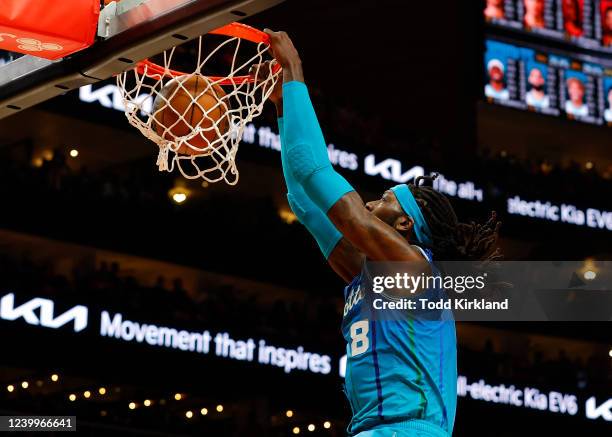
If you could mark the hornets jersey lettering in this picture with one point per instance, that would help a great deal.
(398, 371)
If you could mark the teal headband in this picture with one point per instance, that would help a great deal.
(410, 207)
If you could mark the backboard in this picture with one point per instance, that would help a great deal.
(128, 32)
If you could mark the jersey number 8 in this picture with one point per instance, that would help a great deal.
(359, 335)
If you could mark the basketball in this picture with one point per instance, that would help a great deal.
(196, 103)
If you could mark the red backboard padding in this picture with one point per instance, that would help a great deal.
(48, 29)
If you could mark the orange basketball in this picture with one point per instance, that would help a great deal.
(198, 102)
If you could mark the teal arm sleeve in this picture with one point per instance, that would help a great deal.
(306, 150)
(317, 223)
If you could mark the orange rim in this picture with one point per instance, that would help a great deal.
(237, 30)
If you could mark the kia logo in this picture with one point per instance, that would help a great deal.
(41, 312)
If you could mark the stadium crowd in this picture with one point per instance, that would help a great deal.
(294, 318)
(139, 183)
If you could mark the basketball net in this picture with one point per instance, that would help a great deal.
(214, 157)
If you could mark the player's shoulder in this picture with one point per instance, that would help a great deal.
(426, 253)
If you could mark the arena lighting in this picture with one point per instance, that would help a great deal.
(55, 377)
(74, 153)
(11, 388)
(289, 413)
(589, 269)
(72, 397)
(132, 405)
(220, 408)
(87, 394)
(296, 430)
(102, 390)
(37, 162)
(39, 383)
(588, 165)
(609, 353)
(311, 427)
(47, 155)
(179, 197)
(25, 384)
(179, 194)
(204, 411)
(287, 216)
(103, 413)
(326, 424)
(178, 396)
(189, 414)
(147, 403)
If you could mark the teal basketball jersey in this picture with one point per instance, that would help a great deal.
(398, 372)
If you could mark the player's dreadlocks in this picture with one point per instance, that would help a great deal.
(453, 240)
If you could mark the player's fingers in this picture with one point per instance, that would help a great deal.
(261, 71)
(271, 65)
(276, 37)
(273, 35)
(255, 71)
(273, 40)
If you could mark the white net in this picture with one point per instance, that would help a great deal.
(198, 119)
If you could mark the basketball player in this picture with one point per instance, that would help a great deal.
(536, 96)
(401, 378)
(575, 104)
(534, 14)
(606, 24)
(496, 88)
(608, 111)
(494, 9)
(572, 20)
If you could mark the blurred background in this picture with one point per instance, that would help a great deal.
(89, 225)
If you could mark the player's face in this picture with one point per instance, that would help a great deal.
(569, 10)
(608, 20)
(387, 208)
(495, 3)
(496, 74)
(576, 91)
(536, 79)
(534, 7)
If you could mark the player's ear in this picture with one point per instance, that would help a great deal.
(403, 224)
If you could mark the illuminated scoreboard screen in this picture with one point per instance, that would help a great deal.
(540, 80)
(550, 56)
(585, 23)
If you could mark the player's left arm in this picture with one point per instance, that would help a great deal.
(339, 253)
(309, 162)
